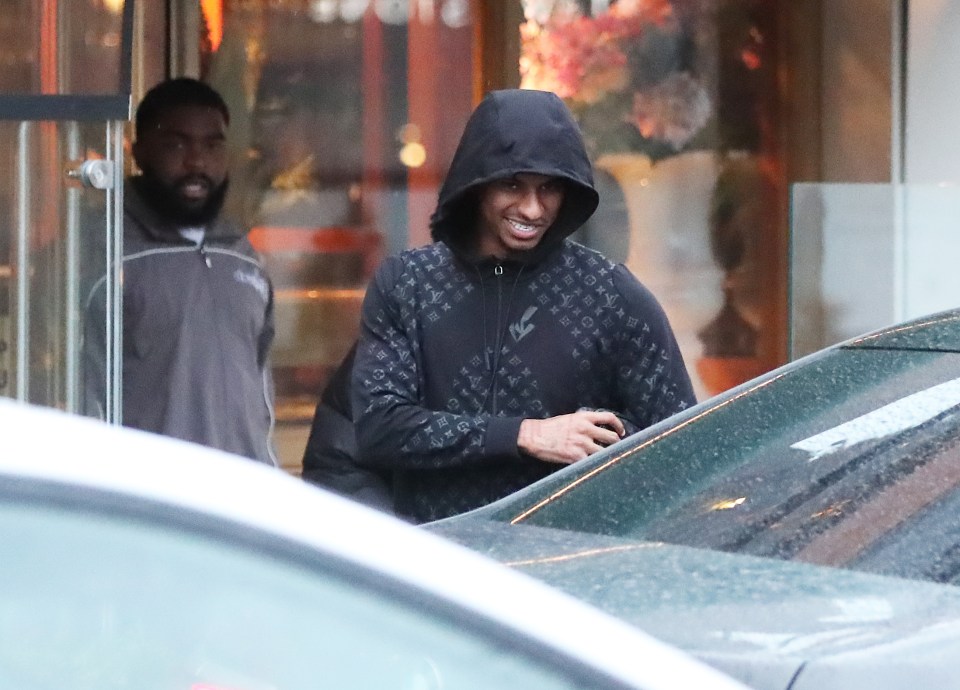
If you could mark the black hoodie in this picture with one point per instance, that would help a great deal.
(456, 350)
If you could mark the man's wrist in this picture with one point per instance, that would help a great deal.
(524, 437)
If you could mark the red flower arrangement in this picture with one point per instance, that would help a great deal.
(592, 62)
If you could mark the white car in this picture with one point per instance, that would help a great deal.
(128, 560)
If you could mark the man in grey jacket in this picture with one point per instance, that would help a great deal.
(197, 302)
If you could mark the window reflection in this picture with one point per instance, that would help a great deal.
(853, 462)
(345, 117)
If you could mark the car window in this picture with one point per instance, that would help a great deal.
(92, 602)
(852, 460)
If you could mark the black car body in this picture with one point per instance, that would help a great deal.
(799, 531)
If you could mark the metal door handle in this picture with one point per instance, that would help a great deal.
(96, 173)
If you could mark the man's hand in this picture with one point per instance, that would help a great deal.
(570, 437)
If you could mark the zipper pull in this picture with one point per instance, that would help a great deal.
(206, 259)
(498, 270)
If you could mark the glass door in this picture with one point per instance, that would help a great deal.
(64, 96)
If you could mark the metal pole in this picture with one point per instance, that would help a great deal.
(22, 266)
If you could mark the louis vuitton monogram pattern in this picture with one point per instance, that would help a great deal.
(448, 349)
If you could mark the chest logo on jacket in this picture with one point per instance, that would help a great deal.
(610, 301)
(523, 327)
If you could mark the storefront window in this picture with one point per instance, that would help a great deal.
(674, 98)
(344, 117)
(64, 93)
(85, 34)
(696, 114)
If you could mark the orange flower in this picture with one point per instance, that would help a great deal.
(583, 58)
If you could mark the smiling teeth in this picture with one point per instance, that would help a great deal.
(523, 227)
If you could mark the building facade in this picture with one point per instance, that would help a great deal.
(725, 135)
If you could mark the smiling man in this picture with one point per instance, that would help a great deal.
(197, 303)
(503, 350)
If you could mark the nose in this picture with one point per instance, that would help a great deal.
(531, 205)
(195, 158)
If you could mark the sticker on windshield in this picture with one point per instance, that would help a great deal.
(884, 421)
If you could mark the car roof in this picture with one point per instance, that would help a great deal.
(47, 445)
(937, 332)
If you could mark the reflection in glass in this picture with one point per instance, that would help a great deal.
(54, 247)
(61, 47)
(673, 98)
(75, 615)
(852, 462)
(344, 116)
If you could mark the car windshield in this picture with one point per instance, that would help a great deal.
(850, 460)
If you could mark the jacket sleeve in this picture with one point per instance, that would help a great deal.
(330, 458)
(330, 462)
(265, 339)
(394, 428)
(652, 379)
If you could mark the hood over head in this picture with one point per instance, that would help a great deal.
(516, 131)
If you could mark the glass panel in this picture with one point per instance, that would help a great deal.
(676, 102)
(55, 245)
(866, 256)
(833, 298)
(62, 47)
(344, 117)
(91, 602)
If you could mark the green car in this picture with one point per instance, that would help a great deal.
(799, 531)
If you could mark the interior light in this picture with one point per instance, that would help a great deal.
(213, 16)
(408, 133)
(413, 154)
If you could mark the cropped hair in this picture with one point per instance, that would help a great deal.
(174, 93)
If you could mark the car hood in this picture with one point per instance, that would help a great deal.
(772, 624)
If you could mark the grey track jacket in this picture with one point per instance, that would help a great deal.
(197, 328)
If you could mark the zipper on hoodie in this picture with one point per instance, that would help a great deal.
(204, 255)
(498, 337)
(501, 327)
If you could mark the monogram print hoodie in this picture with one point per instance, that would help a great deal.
(456, 349)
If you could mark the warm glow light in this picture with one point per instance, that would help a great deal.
(413, 154)
(831, 511)
(213, 16)
(583, 554)
(728, 504)
(410, 132)
(113, 6)
(331, 294)
(750, 58)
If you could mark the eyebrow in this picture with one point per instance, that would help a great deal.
(180, 134)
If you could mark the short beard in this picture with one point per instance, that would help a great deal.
(166, 203)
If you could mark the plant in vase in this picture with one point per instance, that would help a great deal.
(730, 340)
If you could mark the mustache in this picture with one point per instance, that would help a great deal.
(195, 177)
(166, 201)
